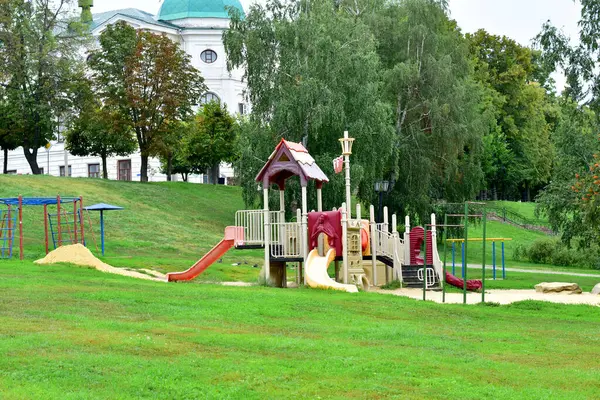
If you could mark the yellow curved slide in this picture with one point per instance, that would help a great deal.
(317, 276)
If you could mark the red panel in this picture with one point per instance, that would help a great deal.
(329, 223)
(416, 241)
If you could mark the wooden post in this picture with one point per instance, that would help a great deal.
(46, 227)
(82, 221)
(21, 227)
(59, 243)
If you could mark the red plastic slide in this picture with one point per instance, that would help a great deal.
(473, 285)
(209, 258)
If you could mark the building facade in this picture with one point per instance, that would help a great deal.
(197, 26)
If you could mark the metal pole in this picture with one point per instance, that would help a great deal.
(373, 243)
(380, 206)
(348, 190)
(345, 243)
(304, 227)
(82, 221)
(443, 278)
(462, 260)
(425, 264)
(266, 230)
(503, 266)
(494, 260)
(58, 221)
(75, 222)
(453, 258)
(484, 217)
(46, 226)
(465, 256)
(102, 229)
(21, 255)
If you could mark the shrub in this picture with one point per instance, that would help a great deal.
(541, 250)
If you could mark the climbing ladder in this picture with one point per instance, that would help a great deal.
(70, 228)
(8, 224)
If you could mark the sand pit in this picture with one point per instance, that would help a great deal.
(499, 296)
(79, 255)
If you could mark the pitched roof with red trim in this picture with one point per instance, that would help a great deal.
(301, 157)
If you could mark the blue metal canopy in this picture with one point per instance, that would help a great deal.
(37, 201)
(103, 207)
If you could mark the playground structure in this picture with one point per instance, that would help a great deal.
(365, 253)
(61, 225)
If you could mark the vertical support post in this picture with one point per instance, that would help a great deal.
(46, 227)
(453, 258)
(11, 233)
(358, 213)
(373, 243)
(483, 216)
(75, 241)
(300, 241)
(444, 238)
(281, 205)
(21, 255)
(503, 266)
(425, 263)
(266, 230)
(102, 230)
(494, 260)
(396, 262)
(407, 239)
(59, 243)
(465, 256)
(319, 197)
(345, 242)
(386, 225)
(348, 189)
(304, 227)
(462, 259)
(82, 221)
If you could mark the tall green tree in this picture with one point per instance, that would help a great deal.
(518, 144)
(312, 71)
(440, 116)
(93, 130)
(39, 51)
(144, 81)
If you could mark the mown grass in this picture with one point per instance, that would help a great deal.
(74, 333)
(165, 226)
(527, 210)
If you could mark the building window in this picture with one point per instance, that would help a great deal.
(208, 97)
(94, 170)
(208, 56)
(62, 170)
(242, 108)
(124, 170)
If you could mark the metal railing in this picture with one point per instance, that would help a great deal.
(286, 240)
(431, 276)
(253, 222)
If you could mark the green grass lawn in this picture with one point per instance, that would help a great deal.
(165, 226)
(74, 333)
(527, 210)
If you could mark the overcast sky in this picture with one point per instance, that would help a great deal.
(520, 20)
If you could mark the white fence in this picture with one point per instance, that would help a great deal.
(253, 222)
(286, 240)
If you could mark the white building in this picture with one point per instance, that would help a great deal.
(197, 26)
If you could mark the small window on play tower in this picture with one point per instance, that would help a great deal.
(208, 56)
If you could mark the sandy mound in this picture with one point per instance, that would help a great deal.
(79, 255)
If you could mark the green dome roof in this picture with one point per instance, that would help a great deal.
(179, 9)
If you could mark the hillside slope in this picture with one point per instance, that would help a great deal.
(163, 224)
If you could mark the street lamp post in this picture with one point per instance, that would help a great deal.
(381, 187)
(346, 143)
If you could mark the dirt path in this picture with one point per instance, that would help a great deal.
(532, 271)
(498, 296)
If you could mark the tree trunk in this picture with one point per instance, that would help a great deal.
(144, 169)
(31, 157)
(169, 167)
(5, 166)
(104, 168)
(184, 176)
(214, 172)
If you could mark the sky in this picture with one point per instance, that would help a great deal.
(520, 20)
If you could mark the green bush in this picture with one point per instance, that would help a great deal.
(541, 250)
